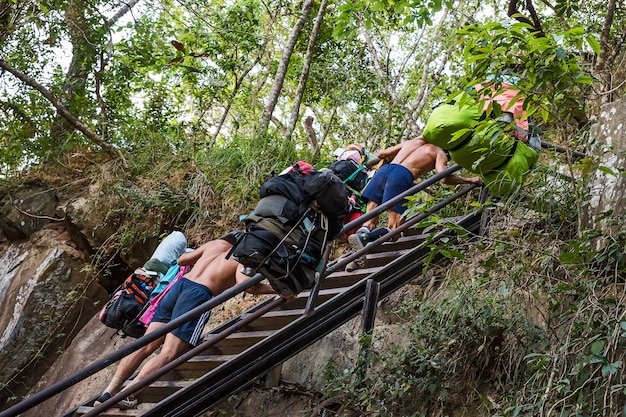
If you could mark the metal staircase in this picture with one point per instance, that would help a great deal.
(268, 339)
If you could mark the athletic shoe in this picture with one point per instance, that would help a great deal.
(351, 267)
(105, 396)
(128, 403)
(357, 242)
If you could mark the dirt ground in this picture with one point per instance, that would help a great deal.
(286, 400)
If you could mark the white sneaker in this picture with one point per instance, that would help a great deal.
(128, 403)
(357, 242)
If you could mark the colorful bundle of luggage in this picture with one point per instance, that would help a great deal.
(494, 148)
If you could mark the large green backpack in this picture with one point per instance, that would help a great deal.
(483, 147)
(511, 176)
(450, 124)
(487, 149)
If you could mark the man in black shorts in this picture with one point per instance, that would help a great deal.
(210, 275)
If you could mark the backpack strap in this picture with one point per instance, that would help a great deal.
(359, 169)
(301, 221)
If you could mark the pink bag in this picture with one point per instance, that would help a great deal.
(146, 317)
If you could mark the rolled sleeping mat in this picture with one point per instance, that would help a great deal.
(512, 175)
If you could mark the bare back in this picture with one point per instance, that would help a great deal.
(418, 156)
(210, 266)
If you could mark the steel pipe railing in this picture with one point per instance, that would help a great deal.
(563, 149)
(86, 372)
(137, 386)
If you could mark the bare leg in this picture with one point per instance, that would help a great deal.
(130, 363)
(373, 222)
(173, 347)
(395, 219)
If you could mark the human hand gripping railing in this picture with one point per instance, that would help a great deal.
(73, 379)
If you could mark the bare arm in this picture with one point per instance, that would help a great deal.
(190, 258)
(388, 154)
(442, 162)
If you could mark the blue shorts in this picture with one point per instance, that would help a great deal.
(388, 182)
(182, 297)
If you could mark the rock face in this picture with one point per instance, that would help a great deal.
(47, 292)
(607, 186)
(47, 300)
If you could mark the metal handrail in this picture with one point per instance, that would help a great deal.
(257, 360)
(563, 149)
(86, 372)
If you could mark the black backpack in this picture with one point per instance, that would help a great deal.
(128, 302)
(284, 239)
(351, 173)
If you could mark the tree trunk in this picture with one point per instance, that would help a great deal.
(308, 127)
(604, 44)
(304, 76)
(270, 105)
(84, 55)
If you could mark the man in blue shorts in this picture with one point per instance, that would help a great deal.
(210, 275)
(403, 164)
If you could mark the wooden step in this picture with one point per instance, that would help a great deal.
(274, 320)
(403, 242)
(112, 412)
(159, 390)
(197, 367)
(383, 258)
(238, 342)
(323, 295)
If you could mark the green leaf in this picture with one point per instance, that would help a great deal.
(611, 368)
(568, 257)
(607, 170)
(503, 290)
(597, 347)
(593, 43)
(584, 79)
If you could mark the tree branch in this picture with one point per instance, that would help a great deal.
(516, 14)
(63, 111)
(304, 75)
(121, 12)
(604, 37)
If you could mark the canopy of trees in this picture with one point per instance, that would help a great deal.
(190, 79)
